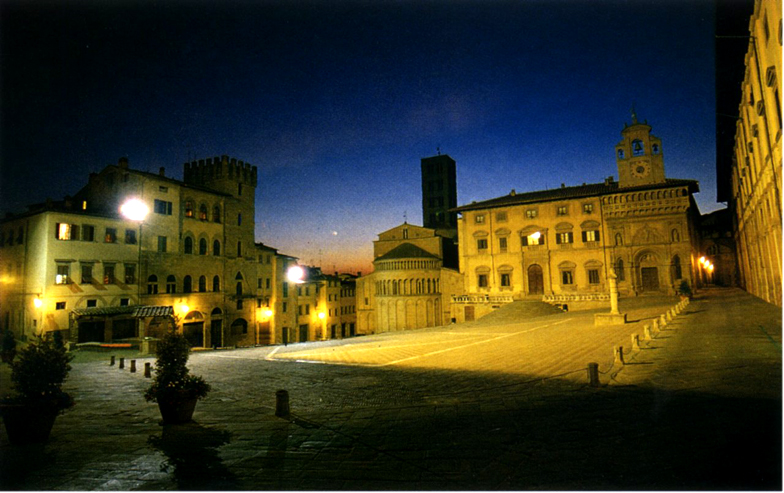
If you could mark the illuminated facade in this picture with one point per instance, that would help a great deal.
(410, 286)
(93, 268)
(756, 169)
(558, 245)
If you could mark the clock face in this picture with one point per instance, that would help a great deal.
(641, 169)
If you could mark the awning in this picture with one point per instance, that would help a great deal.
(134, 311)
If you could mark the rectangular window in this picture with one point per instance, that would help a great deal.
(285, 290)
(502, 244)
(593, 276)
(566, 277)
(130, 236)
(590, 236)
(125, 301)
(506, 280)
(239, 304)
(258, 303)
(267, 283)
(108, 274)
(87, 273)
(60, 305)
(481, 244)
(110, 236)
(130, 273)
(63, 275)
(587, 208)
(562, 210)
(285, 307)
(479, 219)
(92, 303)
(64, 232)
(562, 238)
(299, 309)
(163, 207)
(88, 232)
(500, 217)
(163, 189)
(531, 213)
(162, 244)
(258, 283)
(307, 309)
(481, 280)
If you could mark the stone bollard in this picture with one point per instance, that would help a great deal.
(282, 404)
(655, 325)
(618, 352)
(133, 366)
(111, 361)
(147, 371)
(669, 315)
(635, 342)
(593, 374)
(663, 321)
(646, 333)
(122, 363)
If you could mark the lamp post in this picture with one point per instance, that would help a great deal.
(296, 275)
(136, 210)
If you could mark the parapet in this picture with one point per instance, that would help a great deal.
(205, 171)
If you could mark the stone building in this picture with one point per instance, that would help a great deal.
(410, 287)
(348, 305)
(558, 245)
(718, 246)
(439, 194)
(85, 268)
(755, 196)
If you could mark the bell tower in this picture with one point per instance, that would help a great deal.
(639, 155)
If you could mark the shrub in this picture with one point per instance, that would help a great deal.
(684, 289)
(173, 381)
(9, 342)
(38, 375)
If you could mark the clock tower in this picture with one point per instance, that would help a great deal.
(639, 156)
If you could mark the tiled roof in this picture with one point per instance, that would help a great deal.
(406, 250)
(135, 311)
(589, 190)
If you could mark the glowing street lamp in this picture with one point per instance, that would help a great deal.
(184, 309)
(296, 274)
(322, 315)
(38, 302)
(134, 209)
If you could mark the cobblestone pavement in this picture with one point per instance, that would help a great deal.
(473, 406)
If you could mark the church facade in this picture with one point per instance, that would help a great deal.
(560, 245)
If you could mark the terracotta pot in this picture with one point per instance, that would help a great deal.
(28, 424)
(177, 412)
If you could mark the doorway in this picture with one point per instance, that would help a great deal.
(535, 279)
(216, 333)
(469, 314)
(650, 278)
(303, 333)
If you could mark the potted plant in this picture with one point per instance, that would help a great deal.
(174, 388)
(8, 349)
(684, 290)
(37, 375)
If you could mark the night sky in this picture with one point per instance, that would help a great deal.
(337, 102)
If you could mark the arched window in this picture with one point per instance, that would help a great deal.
(216, 215)
(618, 239)
(202, 212)
(202, 247)
(171, 285)
(239, 289)
(187, 284)
(239, 249)
(152, 284)
(655, 148)
(676, 237)
(619, 270)
(620, 154)
(216, 248)
(239, 219)
(188, 208)
(216, 284)
(202, 284)
(187, 245)
(638, 149)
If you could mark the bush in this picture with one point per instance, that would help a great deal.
(684, 289)
(173, 381)
(38, 375)
(9, 342)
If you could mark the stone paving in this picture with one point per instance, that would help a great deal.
(482, 406)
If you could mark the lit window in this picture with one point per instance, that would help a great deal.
(591, 235)
(110, 236)
(536, 238)
(562, 210)
(63, 232)
(531, 213)
(188, 208)
(63, 275)
(587, 208)
(563, 238)
(479, 219)
(108, 274)
(202, 212)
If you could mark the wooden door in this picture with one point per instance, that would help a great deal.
(650, 278)
(535, 280)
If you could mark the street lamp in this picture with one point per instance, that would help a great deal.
(136, 210)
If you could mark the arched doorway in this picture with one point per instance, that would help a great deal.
(535, 279)
(648, 271)
(193, 328)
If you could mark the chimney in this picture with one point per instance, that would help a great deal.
(513, 193)
(162, 171)
(563, 185)
(123, 163)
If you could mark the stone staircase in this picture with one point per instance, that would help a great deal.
(518, 311)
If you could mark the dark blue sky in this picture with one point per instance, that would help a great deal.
(336, 102)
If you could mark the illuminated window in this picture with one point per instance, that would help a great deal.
(535, 238)
(152, 284)
(591, 235)
(130, 236)
(64, 232)
(564, 238)
(562, 210)
(202, 212)
(63, 275)
(171, 284)
(531, 213)
(587, 208)
(110, 236)
(593, 276)
(188, 208)
(479, 219)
